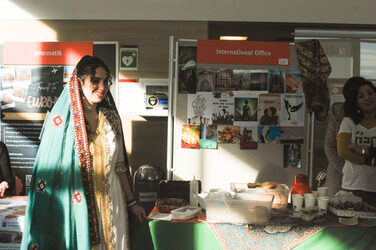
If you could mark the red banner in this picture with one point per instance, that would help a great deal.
(243, 52)
(45, 53)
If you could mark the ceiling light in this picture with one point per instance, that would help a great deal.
(238, 38)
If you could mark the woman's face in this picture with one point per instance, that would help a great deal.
(269, 112)
(366, 98)
(95, 88)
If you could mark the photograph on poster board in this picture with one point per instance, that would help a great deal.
(242, 80)
(190, 136)
(292, 155)
(276, 79)
(269, 110)
(245, 111)
(228, 134)
(293, 110)
(248, 137)
(8, 77)
(223, 108)
(19, 92)
(205, 80)
(294, 82)
(208, 135)
(259, 80)
(224, 80)
(199, 107)
(292, 134)
(268, 134)
(23, 75)
(7, 99)
(187, 69)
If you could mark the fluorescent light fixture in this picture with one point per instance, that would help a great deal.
(237, 38)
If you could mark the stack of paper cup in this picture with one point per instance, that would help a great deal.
(309, 200)
(297, 202)
(323, 199)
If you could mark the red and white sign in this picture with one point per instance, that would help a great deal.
(45, 53)
(243, 52)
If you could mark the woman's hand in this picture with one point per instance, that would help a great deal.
(139, 212)
(3, 187)
(356, 148)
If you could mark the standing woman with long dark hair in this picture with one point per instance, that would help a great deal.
(357, 139)
(80, 188)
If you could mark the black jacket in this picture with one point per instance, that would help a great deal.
(5, 170)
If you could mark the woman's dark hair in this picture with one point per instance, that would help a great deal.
(350, 92)
(87, 66)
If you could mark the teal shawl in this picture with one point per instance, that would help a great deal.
(60, 211)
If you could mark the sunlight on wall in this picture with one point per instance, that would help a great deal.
(215, 168)
(13, 11)
(32, 30)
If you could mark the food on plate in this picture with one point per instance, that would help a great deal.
(267, 185)
(353, 206)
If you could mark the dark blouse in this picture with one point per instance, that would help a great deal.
(5, 170)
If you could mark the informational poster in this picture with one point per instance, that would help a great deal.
(223, 108)
(32, 79)
(24, 107)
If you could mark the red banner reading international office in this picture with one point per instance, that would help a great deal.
(45, 53)
(243, 52)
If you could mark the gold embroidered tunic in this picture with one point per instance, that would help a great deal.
(107, 160)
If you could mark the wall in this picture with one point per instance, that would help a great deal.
(319, 11)
(145, 137)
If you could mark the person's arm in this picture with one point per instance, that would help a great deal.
(330, 144)
(6, 172)
(137, 210)
(122, 172)
(346, 149)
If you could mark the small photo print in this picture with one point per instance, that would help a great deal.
(292, 155)
(276, 81)
(23, 75)
(294, 82)
(259, 80)
(242, 79)
(187, 69)
(224, 81)
(228, 134)
(19, 92)
(269, 134)
(292, 134)
(205, 80)
(190, 136)
(8, 99)
(246, 109)
(208, 135)
(248, 137)
(269, 109)
(8, 77)
(293, 110)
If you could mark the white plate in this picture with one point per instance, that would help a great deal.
(160, 216)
